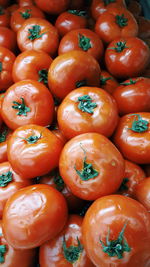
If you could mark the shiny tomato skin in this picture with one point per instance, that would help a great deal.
(67, 22)
(73, 121)
(23, 3)
(134, 97)
(18, 17)
(71, 68)
(7, 59)
(108, 82)
(4, 18)
(51, 253)
(134, 146)
(52, 6)
(36, 97)
(131, 62)
(28, 64)
(31, 215)
(13, 257)
(109, 29)
(46, 41)
(142, 193)
(60, 135)
(92, 148)
(71, 42)
(33, 159)
(5, 134)
(111, 213)
(7, 38)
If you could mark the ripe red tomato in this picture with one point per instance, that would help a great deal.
(4, 17)
(85, 110)
(85, 165)
(108, 82)
(7, 38)
(23, 3)
(127, 57)
(52, 6)
(114, 23)
(31, 215)
(72, 70)
(38, 34)
(116, 230)
(33, 150)
(132, 137)
(5, 134)
(24, 103)
(12, 8)
(60, 135)
(142, 193)
(133, 95)
(66, 249)
(71, 20)
(33, 65)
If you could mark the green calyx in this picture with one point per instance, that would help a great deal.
(3, 136)
(139, 125)
(6, 178)
(43, 76)
(1, 67)
(86, 104)
(81, 13)
(128, 83)
(120, 46)
(107, 2)
(35, 32)
(2, 12)
(32, 139)
(26, 14)
(72, 253)
(103, 80)
(21, 107)
(87, 172)
(116, 247)
(59, 182)
(2, 253)
(81, 83)
(124, 184)
(84, 42)
(121, 21)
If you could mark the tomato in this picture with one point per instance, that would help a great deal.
(98, 7)
(31, 215)
(24, 103)
(76, 4)
(144, 27)
(85, 165)
(33, 150)
(55, 180)
(132, 137)
(21, 14)
(72, 70)
(52, 6)
(38, 34)
(114, 23)
(12, 8)
(133, 175)
(33, 65)
(4, 3)
(5, 134)
(7, 59)
(23, 3)
(60, 135)
(116, 232)
(4, 17)
(142, 193)
(11, 257)
(108, 82)
(87, 109)
(71, 20)
(135, 8)
(83, 40)
(7, 38)
(127, 57)
(66, 249)
(10, 182)
(133, 95)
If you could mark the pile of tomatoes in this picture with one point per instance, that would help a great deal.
(74, 134)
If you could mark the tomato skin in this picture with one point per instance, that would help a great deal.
(52, 6)
(77, 67)
(134, 146)
(76, 4)
(43, 155)
(23, 3)
(112, 212)
(17, 18)
(48, 42)
(36, 97)
(12, 8)
(73, 121)
(95, 147)
(51, 253)
(4, 131)
(142, 193)
(144, 27)
(67, 22)
(23, 222)
(131, 62)
(4, 18)
(4, 3)
(7, 38)
(135, 174)
(60, 135)
(70, 42)
(108, 82)
(133, 97)
(28, 64)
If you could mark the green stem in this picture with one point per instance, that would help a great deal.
(43, 76)
(72, 253)
(2, 253)
(128, 83)
(103, 81)
(23, 109)
(76, 12)
(32, 139)
(120, 46)
(26, 14)
(116, 247)
(107, 2)
(86, 104)
(35, 32)
(6, 178)
(3, 136)
(121, 21)
(139, 125)
(1, 67)
(84, 42)
(59, 181)
(81, 83)
(124, 185)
